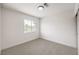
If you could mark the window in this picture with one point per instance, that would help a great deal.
(29, 26)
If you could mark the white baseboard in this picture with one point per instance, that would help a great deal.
(58, 42)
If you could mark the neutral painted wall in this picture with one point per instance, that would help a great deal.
(0, 28)
(60, 28)
(78, 30)
(13, 28)
(76, 8)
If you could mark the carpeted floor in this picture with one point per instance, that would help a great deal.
(40, 47)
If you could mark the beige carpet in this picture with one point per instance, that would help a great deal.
(40, 47)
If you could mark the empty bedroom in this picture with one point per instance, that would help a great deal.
(39, 28)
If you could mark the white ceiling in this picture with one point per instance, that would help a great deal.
(31, 8)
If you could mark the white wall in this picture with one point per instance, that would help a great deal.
(13, 30)
(76, 8)
(78, 30)
(0, 28)
(60, 28)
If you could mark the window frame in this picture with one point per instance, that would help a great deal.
(31, 26)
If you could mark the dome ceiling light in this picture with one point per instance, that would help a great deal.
(42, 7)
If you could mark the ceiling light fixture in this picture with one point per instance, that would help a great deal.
(41, 7)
